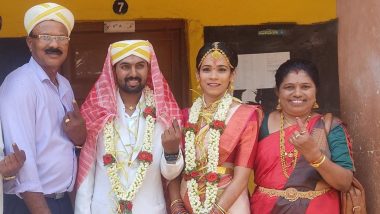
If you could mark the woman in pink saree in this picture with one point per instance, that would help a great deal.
(300, 165)
(220, 134)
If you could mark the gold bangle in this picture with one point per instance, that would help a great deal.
(318, 160)
(176, 201)
(316, 165)
(218, 207)
(8, 178)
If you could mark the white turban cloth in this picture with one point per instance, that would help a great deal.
(123, 49)
(48, 11)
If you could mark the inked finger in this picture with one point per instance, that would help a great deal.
(300, 124)
(169, 131)
(176, 125)
(76, 107)
(15, 148)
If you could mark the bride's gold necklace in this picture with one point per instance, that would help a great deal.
(283, 153)
(205, 117)
(207, 112)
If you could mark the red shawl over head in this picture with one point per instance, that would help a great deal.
(100, 105)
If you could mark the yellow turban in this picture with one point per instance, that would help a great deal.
(48, 11)
(122, 49)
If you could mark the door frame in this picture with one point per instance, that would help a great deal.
(182, 77)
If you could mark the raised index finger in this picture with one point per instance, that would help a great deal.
(76, 108)
(15, 148)
(19, 154)
(176, 125)
(301, 125)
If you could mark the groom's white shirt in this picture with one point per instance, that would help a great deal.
(95, 194)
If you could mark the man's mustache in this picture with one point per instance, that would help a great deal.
(53, 51)
(132, 78)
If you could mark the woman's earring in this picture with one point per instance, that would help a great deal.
(278, 107)
(315, 106)
(231, 88)
(198, 85)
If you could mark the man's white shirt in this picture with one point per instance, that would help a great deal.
(95, 194)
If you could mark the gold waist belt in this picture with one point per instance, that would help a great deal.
(292, 194)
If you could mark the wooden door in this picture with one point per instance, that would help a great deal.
(89, 45)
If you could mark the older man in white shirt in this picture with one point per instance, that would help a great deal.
(37, 112)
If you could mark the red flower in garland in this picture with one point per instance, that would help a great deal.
(191, 127)
(149, 110)
(108, 159)
(145, 156)
(192, 174)
(125, 206)
(218, 125)
(212, 177)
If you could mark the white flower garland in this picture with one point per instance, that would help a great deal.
(120, 191)
(213, 155)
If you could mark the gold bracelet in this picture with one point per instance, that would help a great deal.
(218, 207)
(8, 178)
(176, 201)
(316, 165)
(319, 159)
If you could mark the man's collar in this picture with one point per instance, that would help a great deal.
(140, 105)
(41, 74)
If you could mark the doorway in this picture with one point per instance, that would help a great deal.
(89, 45)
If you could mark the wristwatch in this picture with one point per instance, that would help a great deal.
(172, 158)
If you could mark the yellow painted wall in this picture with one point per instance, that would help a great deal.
(198, 13)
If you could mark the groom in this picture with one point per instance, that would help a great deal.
(133, 135)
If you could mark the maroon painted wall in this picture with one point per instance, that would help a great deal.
(359, 79)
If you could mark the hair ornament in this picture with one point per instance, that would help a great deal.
(216, 53)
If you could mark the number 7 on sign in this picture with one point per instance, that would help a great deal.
(121, 4)
(120, 7)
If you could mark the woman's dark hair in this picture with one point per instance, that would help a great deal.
(228, 51)
(296, 65)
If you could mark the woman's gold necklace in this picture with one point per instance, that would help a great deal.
(283, 153)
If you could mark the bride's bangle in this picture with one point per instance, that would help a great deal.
(176, 201)
(221, 210)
